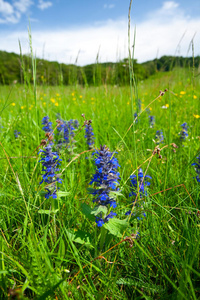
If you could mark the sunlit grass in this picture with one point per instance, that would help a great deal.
(40, 257)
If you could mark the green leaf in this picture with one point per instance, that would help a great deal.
(98, 209)
(47, 212)
(91, 190)
(116, 227)
(62, 194)
(50, 291)
(86, 210)
(61, 250)
(125, 281)
(80, 237)
(115, 194)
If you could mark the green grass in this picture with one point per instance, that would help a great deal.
(41, 256)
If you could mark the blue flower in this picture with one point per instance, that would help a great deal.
(197, 168)
(89, 135)
(47, 125)
(76, 124)
(100, 221)
(50, 161)
(151, 121)
(136, 117)
(159, 137)
(71, 128)
(16, 133)
(66, 132)
(139, 184)
(106, 179)
(184, 132)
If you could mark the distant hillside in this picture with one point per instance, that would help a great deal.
(16, 68)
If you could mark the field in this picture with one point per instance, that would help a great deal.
(52, 248)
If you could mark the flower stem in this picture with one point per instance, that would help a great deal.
(102, 238)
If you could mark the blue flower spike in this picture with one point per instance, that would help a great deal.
(16, 133)
(135, 117)
(106, 179)
(89, 134)
(50, 160)
(139, 183)
(184, 132)
(151, 121)
(159, 137)
(47, 125)
(66, 133)
(197, 168)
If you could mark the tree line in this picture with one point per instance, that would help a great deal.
(18, 68)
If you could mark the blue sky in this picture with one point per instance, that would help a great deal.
(63, 29)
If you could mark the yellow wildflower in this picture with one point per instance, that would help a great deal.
(73, 94)
(52, 100)
(56, 104)
(57, 95)
(22, 107)
(195, 97)
(41, 98)
(83, 101)
(74, 98)
(167, 105)
(45, 95)
(128, 103)
(150, 108)
(44, 103)
(182, 93)
(81, 96)
(196, 116)
(92, 98)
(59, 98)
(13, 104)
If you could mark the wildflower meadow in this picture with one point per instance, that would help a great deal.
(100, 189)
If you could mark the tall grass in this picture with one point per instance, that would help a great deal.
(52, 250)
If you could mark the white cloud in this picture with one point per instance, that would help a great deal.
(44, 5)
(109, 6)
(22, 5)
(160, 32)
(11, 13)
(5, 8)
(169, 5)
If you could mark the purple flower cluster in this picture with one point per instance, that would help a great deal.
(159, 137)
(184, 132)
(16, 133)
(89, 135)
(142, 182)
(47, 125)
(66, 131)
(151, 121)
(135, 117)
(106, 178)
(197, 168)
(50, 161)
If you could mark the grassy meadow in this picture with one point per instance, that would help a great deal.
(52, 248)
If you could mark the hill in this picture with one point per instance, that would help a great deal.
(18, 68)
